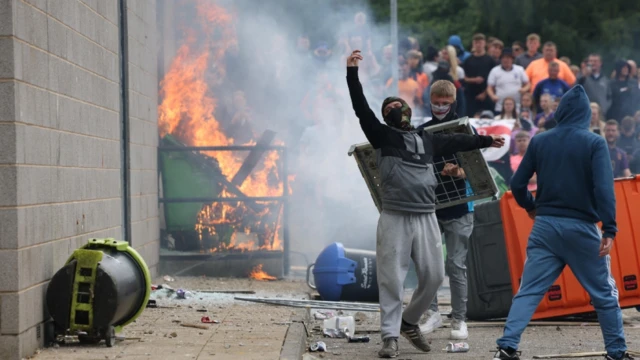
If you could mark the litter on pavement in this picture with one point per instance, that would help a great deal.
(318, 346)
(457, 347)
(207, 320)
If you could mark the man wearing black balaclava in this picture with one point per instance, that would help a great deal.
(407, 228)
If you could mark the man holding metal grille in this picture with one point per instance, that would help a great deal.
(407, 228)
(456, 222)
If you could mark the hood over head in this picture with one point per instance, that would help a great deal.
(456, 41)
(574, 109)
(621, 64)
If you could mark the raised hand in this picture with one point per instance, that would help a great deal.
(498, 141)
(354, 58)
(451, 170)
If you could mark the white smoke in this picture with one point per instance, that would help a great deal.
(331, 201)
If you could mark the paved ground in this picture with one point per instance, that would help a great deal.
(254, 331)
(246, 330)
(537, 340)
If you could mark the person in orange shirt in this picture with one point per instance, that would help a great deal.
(538, 70)
(414, 58)
(408, 89)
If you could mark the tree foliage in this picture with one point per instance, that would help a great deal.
(578, 27)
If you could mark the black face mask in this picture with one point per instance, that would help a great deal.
(394, 117)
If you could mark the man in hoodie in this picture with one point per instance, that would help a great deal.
(456, 42)
(408, 227)
(456, 222)
(624, 92)
(566, 215)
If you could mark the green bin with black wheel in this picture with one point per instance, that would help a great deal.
(104, 286)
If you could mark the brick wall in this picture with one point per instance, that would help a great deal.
(60, 146)
(143, 129)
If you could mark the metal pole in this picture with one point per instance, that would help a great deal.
(285, 214)
(394, 44)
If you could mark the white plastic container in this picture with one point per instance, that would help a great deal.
(341, 322)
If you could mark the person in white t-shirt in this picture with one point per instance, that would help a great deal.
(507, 80)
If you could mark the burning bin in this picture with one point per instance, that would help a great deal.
(345, 274)
(186, 174)
(104, 286)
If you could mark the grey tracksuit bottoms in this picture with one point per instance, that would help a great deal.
(456, 235)
(403, 236)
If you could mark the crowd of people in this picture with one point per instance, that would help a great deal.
(523, 82)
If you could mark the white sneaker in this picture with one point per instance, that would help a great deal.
(434, 321)
(459, 330)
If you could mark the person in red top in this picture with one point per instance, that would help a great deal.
(522, 143)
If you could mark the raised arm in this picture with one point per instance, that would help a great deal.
(448, 144)
(371, 126)
(602, 174)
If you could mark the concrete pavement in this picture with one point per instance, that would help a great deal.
(246, 330)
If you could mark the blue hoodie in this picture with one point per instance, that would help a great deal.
(575, 178)
(455, 41)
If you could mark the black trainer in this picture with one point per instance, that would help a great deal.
(389, 348)
(415, 336)
(626, 356)
(504, 354)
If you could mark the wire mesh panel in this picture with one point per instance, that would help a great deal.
(479, 183)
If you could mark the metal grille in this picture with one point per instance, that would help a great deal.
(479, 183)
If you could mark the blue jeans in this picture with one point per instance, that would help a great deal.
(555, 242)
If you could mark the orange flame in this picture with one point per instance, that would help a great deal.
(187, 112)
(258, 274)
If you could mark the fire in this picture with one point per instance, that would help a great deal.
(258, 274)
(187, 112)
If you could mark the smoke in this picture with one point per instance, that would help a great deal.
(302, 95)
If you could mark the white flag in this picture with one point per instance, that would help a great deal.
(494, 127)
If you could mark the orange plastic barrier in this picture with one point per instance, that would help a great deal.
(566, 296)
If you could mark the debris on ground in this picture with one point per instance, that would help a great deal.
(195, 326)
(318, 346)
(360, 317)
(168, 278)
(315, 304)
(207, 320)
(182, 294)
(226, 291)
(359, 339)
(457, 347)
(323, 314)
(336, 333)
(340, 323)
